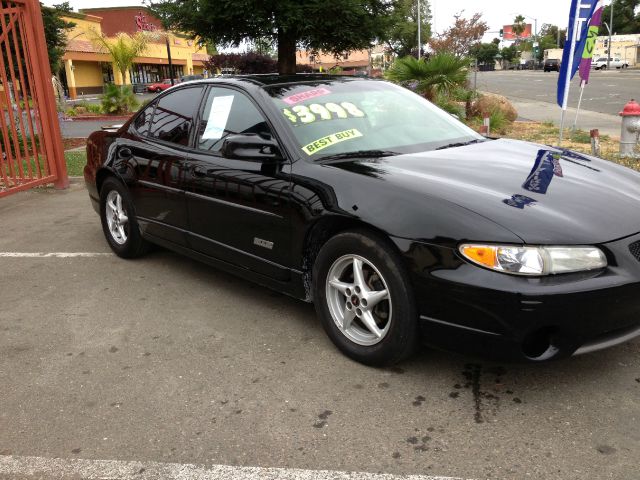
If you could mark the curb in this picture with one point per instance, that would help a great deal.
(88, 118)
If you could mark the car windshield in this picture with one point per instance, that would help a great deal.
(343, 117)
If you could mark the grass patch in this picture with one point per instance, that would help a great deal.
(75, 162)
(580, 136)
(578, 141)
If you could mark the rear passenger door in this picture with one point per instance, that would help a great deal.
(157, 153)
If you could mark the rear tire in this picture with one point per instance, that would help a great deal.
(119, 222)
(364, 298)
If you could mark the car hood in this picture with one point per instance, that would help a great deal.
(544, 195)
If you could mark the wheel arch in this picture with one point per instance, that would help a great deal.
(326, 228)
(102, 176)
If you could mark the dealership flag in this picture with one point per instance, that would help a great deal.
(587, 54)
(592, 36)
(579, 18)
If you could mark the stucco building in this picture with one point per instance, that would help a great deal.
(624, 47)
(87, 69)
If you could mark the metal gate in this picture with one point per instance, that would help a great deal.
(30, 140)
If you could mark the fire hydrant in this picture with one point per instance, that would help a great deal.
(630, 135)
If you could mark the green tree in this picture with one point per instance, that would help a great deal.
(485, 52)
(549, 33)
(335, 27)
(461, 36)
(509, 54)
(402, 37)
(626, 17)
(123, 50)
(442, 74)
(55, 32)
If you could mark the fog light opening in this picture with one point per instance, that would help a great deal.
(541, 344)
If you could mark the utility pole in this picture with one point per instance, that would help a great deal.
(419, 34)
(610, 35)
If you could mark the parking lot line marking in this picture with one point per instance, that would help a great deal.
(40, 467)
(53, 254)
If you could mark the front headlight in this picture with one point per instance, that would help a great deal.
(534, 261)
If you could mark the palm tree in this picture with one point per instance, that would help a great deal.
(123, 50)
(442, 74)
(519, 26)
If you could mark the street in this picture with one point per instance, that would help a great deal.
(607, 91)
(167, 360)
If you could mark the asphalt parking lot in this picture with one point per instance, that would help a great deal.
(166, 361)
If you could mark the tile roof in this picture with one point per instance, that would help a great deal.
(82, 46)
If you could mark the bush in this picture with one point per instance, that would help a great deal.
(449, 106)
(118, 99)
(498, 121)
(242, 63)
(94, 108)
(71, 112)
(489, 103)
(304, 68)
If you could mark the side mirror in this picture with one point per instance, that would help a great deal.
(251, 147)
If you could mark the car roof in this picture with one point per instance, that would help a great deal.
(267, 80)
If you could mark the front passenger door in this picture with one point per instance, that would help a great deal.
(239, 210)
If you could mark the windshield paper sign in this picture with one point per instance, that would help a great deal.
(300, 97)
(329, 140)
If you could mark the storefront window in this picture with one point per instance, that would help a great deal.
(152, 73)
(107, 73)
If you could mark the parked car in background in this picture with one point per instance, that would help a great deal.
(552, 65)
(601, 63)
(161, 86)
(529, 65)
(399, 222)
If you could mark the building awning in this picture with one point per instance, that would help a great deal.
(199, 58)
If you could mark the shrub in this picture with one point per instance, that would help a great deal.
(449, 106)
(118, 99)
(243, 63)
(498, 121)
(94, 108)
(71, 112)
(304, 68)
(442, 73)
(488, 103)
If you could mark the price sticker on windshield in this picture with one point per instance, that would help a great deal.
(325, 142)
(305, 114)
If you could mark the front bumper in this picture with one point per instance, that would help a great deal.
(467, 308)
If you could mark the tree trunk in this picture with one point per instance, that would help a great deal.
(286, 52)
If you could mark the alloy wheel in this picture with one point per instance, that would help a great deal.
(117, 218)
(359, 300)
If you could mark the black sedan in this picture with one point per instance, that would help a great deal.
(399, 222)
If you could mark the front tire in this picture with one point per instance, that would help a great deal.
(364, 299)
(119, 223)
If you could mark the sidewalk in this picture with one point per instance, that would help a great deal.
(544, 111)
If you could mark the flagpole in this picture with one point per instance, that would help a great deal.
(575, 122)
(567, 83)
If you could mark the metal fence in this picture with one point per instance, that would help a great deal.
(31, 151)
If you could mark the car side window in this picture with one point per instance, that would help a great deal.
(227, 112)
(142, 123)
(174, 114)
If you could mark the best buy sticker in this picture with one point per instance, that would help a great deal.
(329, 140)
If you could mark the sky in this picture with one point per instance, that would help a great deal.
(495, 12)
